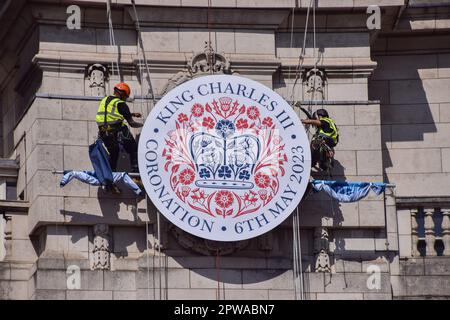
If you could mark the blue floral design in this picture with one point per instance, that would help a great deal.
(204, 143)
(224, 172)
(204, 173)
(225, 128)
(244, 175)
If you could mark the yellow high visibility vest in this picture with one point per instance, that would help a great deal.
(334, 130)
(110, 111)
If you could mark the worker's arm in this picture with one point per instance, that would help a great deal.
(125, 111)
(134, 124)
(314, 122)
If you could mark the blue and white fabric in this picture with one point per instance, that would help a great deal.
(348, 191)
(91, 178)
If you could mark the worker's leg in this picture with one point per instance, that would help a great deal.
(112, 146)
(130, 146)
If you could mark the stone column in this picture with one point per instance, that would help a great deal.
(430, 237)
(414, 233)
(2, 222)
(446, 231)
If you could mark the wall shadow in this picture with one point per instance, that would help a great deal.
(405, 109)
(110, 205)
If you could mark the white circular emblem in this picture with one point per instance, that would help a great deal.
(224, 158)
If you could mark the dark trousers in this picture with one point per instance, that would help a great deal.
(116, 138)
(318, 155)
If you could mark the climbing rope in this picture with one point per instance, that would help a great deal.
(218, 273)
(208, 23)
(299, 290)
(144, 61)
(112, 39)
(148, 257)
(141, 45)
(297, 257)
(291, 43)
(302, 53)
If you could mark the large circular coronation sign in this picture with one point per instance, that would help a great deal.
(224, 158)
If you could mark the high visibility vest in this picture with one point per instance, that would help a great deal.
(334, 133)
(109, 114)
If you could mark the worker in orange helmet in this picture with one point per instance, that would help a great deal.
(112, 130)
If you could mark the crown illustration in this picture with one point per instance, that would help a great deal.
(224, 160)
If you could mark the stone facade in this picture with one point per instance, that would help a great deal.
(387, 89)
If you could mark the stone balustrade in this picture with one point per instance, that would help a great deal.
(424, 222)
(430, 230)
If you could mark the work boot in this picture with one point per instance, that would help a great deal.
(112, 188)
(115, 190)
(138, 181)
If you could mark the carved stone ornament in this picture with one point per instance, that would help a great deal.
(321, 246)
(208, 62)
(97, 76)
(101, 252)
(204, 246)
(322, 262)
(315, 84)
(201, 64)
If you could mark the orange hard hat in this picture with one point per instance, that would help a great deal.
(123, 87)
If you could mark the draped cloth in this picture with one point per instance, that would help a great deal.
(91, 178)
(348, 191)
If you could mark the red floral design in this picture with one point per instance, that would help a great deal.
(253, 112)
(277, 140)
(242, 124)
(208, 122)
(224, 199)
(187, 176)
(185, 191)
(225, 103)
(221, 202)
(197, 110)
(182, 117)
(267, 121)
(262, 194)
(262, 180)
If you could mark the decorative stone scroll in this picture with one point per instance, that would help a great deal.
(208, 62)
(201, 64)
(101, 251)
(97, 74)
(315, 84)
(321, 246)
(204, 246)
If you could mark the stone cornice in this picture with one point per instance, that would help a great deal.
(334, 67)
(241, 4)
(8, 168)
(426, 202)
(246, 18)
(170, 63)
